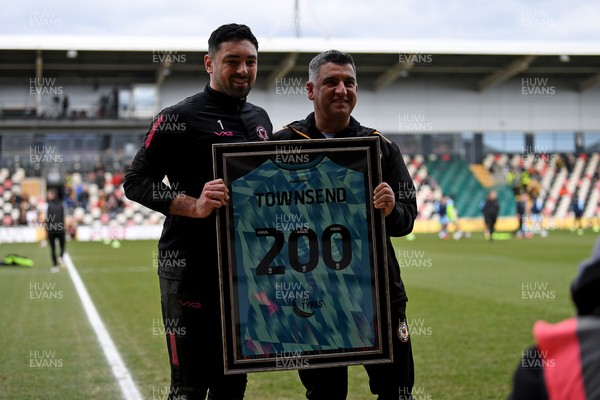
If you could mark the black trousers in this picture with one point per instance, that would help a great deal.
(52, 237)
(490, 223)
(387, 381)
(193, 333)
(520, 217)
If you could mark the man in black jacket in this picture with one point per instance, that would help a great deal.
(54, 223)
(332, 88)
(178, 146)
(490, 209)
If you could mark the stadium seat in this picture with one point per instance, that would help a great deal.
(87, 220)
(121, 219)
(433, 176)
(79, 213)
(138, 219)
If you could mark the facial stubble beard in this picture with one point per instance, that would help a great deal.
(233, 91)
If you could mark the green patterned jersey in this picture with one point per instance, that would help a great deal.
(302, 256)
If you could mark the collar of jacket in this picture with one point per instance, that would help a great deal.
(307, 128)
(224, 100)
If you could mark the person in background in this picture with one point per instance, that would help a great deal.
(441, 209)
(537, 206)
(453, 217)
(491, 209)
(65, 106)
(521, 214)
(54, 223)
(578, 209)
(565, 360)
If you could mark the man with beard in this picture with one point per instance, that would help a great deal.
(178, 146)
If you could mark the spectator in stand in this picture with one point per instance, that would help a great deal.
(91, 177)
(102, 199)
(103, 106)
(515, 183)
(70, 199)
(559, 163)
(534, 174)
(32, 216)
(114, 203)
(72, 229)
(84, 197)
(16, 197)
(23, 208)
(99, 174)
(490, 209)
(563, 191)
(525, 180)
(65, 106)
(570, 163)
(117, 178)
(431, 182)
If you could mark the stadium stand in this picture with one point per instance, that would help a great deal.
(95, 198)
(92, 199)
(458, 181)
(557, 180)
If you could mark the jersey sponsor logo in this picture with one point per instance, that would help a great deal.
(299, 312)
(223, 133)
(304, 308)
(191, 304)
(261, 132)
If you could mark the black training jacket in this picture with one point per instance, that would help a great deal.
(394, 172)
(178, 145)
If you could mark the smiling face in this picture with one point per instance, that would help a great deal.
(232, 68)
(334, 96)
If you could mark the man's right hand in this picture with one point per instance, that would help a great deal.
(214, 195)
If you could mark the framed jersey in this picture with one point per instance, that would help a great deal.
(302, 255)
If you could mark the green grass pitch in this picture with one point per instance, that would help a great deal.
(471, 307)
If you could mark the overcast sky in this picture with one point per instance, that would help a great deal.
(417, 19)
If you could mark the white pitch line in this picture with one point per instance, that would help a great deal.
(119, 370)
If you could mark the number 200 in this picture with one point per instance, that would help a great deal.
(265, 268)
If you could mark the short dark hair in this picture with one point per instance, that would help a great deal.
(329, 56)
(230, 32)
